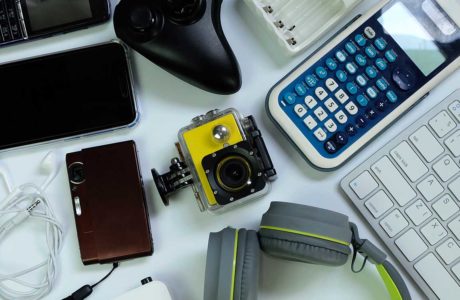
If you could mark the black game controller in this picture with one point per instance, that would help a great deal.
(184, 37)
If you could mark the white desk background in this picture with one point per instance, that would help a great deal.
(180, 231)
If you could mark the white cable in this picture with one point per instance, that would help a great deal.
(24, 202)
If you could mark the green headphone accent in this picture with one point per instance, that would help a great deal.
(292, 232)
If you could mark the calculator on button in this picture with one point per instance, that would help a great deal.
(365, 77)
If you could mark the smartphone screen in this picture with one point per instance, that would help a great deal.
(65, 94)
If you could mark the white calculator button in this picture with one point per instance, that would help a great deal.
(331, 84)
(341, 117)
(445, 207)
(433, 231)
(363, 185)
(430, 188)
(310, 102)
(320, 93)
(320, 113)
(351, 108)
(379, 204)
(426, 144)
(446, 168)
(320, 134)
(330, 125)
(394, 223)
(449, 251)
(370, 32)
(331, 105)
(455, 109)
(418, 212)
(409, 161)
(341, 96)
(442, 124)
(411, 245)
(454, 187)
(453, 143)
(454, 226)
(310, 122)
(300, 110)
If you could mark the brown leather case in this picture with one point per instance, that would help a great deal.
(113, 222)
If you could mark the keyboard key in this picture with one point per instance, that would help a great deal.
(456, 270)
(360, 40)
(341, 75)
(442, 124)
(300, 89)
(453, 143)
(437, 277)
(369, 32)
(310, 80)
(330, 125)
(409, 161)
(300, 110)
(430, 188)
(362, 100)
(341, 56)
(449, 251)
(371, 52)
(381, 64)
(371, 72)
(433, 231)
(379, 204)
(394, 223)
(382, 84)
(310, 122)
(395, 183)
(361, 60)
(418, 212)
(361, 80)
(391, 55)
(320, 134)
(352, 88)
(331, 64)
(320, 113)
(445, 207)
(454, 108)
(321, 72)
(363, 185)
(426, 144)
(446, 168)
(454, 226)
(331, 105)
(380, 43)
(351, 68)
(391, 96)
(290, 98)
(310, 102)
(341, 117)
(351, 48)
(371, 92)
(411, 245)
(331, 84)
(321, 93)
(341, 96)
(351, 108)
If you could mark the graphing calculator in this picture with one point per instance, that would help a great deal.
(368, 75)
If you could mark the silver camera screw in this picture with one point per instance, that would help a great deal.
(221, 134)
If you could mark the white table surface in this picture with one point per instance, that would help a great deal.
(180, 231)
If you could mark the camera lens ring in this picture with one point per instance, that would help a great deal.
(76, 173)
(233, 173)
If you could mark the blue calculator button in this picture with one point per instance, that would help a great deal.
(361, 60)
(361, 80)
(290, 98)
(380, 105)
(351, 48)
(352, 88)
(300, 89)
(371, 52)
(321, 72)
(351, 130)
(341, 75)
(381, 64)
(351, 68)
(340, 56)
(310, 80)
(362, 100)
(391, 55)
(360, 39)
(371, 114)
(371, 92)
(331, 64)
(380, 43)
(330, 147)
(392, 97)
(382, 84)
(341, 138)
(371, 72)
(361, 121)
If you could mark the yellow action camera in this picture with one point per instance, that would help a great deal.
(223, 157)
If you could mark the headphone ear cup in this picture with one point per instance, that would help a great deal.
(306, 234)
(232, 265)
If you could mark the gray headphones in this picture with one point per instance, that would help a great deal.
(293, 232)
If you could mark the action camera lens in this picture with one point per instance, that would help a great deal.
(76, 173)
(233, 173)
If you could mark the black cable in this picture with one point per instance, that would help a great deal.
(353, 260)
(115, 265)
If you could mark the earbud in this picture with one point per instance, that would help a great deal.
(50, 166)
(4, 174)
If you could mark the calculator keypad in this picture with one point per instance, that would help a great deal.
(10, 22)
(348, 91)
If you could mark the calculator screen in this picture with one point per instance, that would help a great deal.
(412, 37)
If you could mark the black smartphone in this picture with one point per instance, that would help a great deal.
(66, 94)
(22, 20)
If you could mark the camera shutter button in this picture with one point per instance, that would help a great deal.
(141, 18)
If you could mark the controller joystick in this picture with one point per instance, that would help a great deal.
(184, 37)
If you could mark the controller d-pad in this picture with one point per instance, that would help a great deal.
(183, 11)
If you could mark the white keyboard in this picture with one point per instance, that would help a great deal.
(409, 191)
